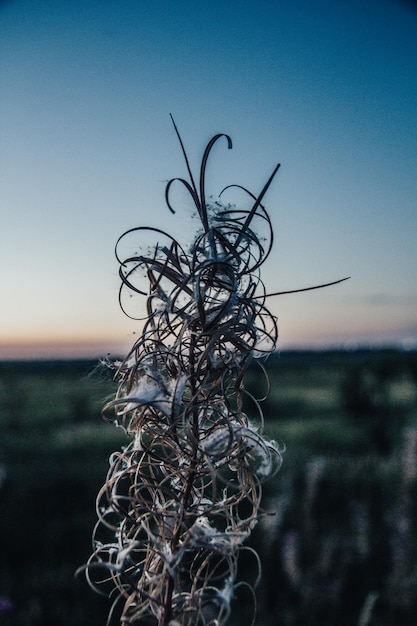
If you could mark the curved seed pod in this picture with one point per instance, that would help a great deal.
(182, 498)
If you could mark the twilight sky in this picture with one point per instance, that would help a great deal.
(328, 89)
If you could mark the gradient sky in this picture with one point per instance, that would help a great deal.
(328, 89)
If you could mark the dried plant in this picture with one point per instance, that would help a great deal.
(181, 499)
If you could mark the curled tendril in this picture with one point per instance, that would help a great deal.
(182, 498)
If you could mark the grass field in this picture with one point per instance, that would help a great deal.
(338, 541)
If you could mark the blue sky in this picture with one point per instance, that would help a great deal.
(328, 89)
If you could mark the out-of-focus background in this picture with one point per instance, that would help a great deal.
(329, 89)
(338, 542)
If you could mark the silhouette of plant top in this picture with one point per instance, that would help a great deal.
(181, 499)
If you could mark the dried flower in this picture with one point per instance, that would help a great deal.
(181, 499)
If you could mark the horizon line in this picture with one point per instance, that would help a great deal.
(77, 353)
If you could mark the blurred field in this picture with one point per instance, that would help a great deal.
(338, 541)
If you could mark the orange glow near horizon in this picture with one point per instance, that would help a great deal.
(65, 349)
(96, 348)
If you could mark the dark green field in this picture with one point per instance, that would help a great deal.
(338, 542)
